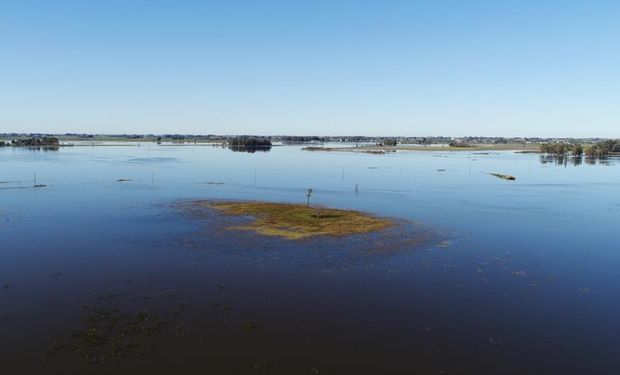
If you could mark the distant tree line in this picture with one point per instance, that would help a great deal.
(561, 148)
(35, 142)
(388, 142)
(603, 148)
(303, 139)
(249, 141)
(597, 150)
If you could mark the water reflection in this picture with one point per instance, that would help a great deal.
(250, 149)
(561, 160)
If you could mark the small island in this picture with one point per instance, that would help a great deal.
(45, 142)
(249, 144)
(297, 221)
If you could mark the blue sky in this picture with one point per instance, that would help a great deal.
(436, 67)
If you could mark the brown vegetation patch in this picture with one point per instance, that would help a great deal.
(295, 221)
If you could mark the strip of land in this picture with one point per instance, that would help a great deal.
(373, 149)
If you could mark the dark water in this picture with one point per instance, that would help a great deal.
(517, 277)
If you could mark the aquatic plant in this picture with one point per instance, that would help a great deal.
(249, 325)
(263, 366)
(108, 333)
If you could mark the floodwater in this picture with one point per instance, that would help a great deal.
(517, 277)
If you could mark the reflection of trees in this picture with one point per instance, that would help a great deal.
(44, 148)
(249, 144)
(250, 149)
(562, 160)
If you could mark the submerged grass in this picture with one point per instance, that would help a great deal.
(295, 221)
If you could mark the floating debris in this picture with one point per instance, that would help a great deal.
(124, 180)
(444, 244)
(584, 290)
(504, 176)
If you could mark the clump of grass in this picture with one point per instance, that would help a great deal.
(263, 367)
(249, 325)
(294, 221)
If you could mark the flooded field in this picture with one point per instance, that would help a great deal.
(103, 271)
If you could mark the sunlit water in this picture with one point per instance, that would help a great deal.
(522, 276)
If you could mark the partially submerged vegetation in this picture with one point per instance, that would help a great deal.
(46, 142)
(561, 149)
(295, 221)
(603, 148)
(600, 149)
(504, 176)
(249, 144)
(109, 334)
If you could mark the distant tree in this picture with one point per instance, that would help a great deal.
(590, 152)
(389, 142)
(308, 194)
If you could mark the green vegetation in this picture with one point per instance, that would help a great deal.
(561, 149)
(249, 142)
(603, 149)
(294, 221)
(597, 150)
(389, 142)
(51, 142)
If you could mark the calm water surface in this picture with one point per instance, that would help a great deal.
(519, 277)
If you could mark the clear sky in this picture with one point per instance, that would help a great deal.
(434, 67)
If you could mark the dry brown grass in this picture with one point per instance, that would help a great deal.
(295, 221)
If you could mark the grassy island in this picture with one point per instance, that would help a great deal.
(296, 221)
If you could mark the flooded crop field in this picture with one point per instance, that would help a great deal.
(461, 268)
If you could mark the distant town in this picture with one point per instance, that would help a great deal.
(384, 140)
